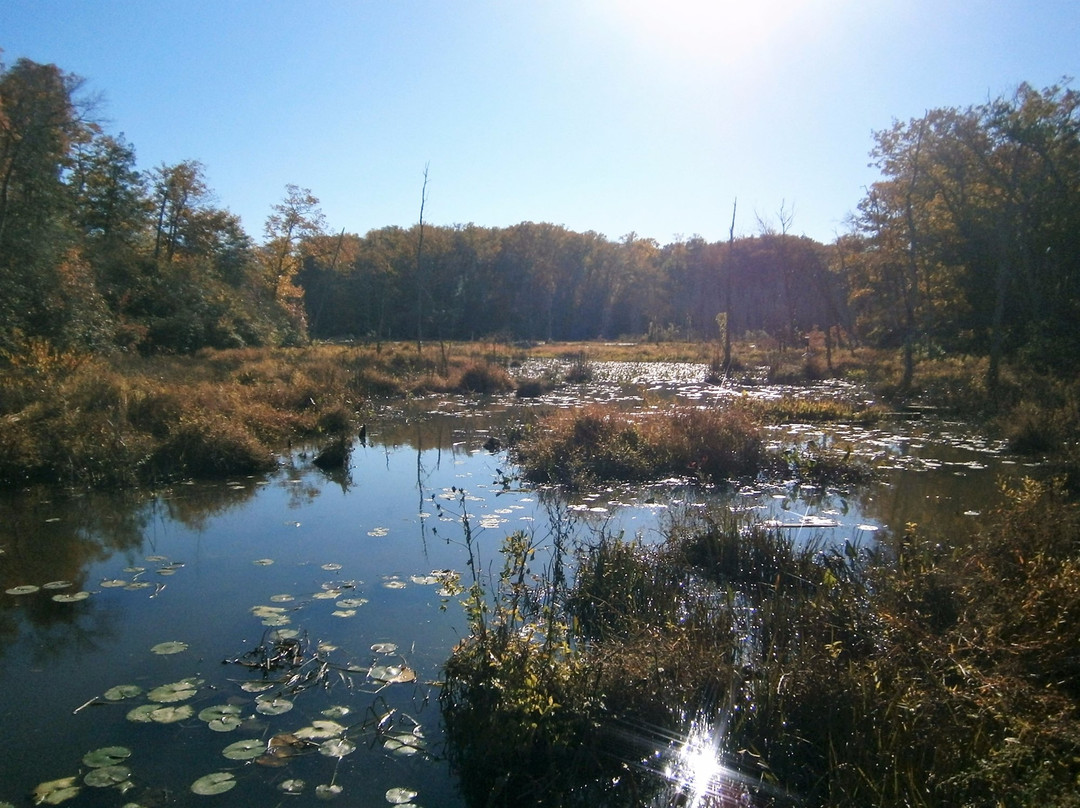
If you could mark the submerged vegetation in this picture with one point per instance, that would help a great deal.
(729, 663)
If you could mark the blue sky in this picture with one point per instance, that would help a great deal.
(616, 116)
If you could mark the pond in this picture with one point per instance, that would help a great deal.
(161, 627)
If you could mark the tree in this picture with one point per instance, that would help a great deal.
(40, 120)
(294, 222)
(179, 191)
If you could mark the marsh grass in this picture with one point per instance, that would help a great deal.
(915, 673)
(125, 420)
(580, 447)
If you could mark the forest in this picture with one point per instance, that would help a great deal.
(968, 244)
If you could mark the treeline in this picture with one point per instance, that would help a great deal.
(969, 243)
(97, 255)
(544, 282)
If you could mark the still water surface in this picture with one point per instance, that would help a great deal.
(345, 561)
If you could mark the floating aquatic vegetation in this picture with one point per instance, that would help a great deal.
(142, 713)
(216, 783)
(25, 589)
(221, 717)
(292, 786)
(170, 715)
(174, 691)
(337, 747)
(113, 583)
(106, 756)
(274, 706)
(74, 597)
(351, 603)
(282, 598)
(328, 791)
(263, 562)
(337, 711)
(170, 647)
(107, 776)
(321, 729)
(55, 792)
(281, 747)
(392, 674)
(404, 744)
(248, 749)
(331, 567)
(384, 648)
(57, 585)
(400, 796)
(379, 532)
(121, 692)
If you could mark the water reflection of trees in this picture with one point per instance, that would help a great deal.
(51, 536)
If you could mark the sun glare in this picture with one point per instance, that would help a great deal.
(697, 770)
(715, 31)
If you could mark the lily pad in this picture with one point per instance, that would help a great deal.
(385, 648)
(400, 796)
(337, 711)
(327, 791)
(121, 692)
(174, 691)
(321, 729)
(267, 611)
(244, 750)
(216, 783)
(282, 598)
(392, 674)
(343, 613)
(170, 715)
(256, 687)
(331, 567)
(337, 747)
(55, 792)
(72, 598)
(113, 583)
(263, 562)
(404, 744)
(57, 585)
(171, 647)
(107, 776)
(218, 711)
(143, 714)
(293, 786)
(351, 603)
(106, 756)
(273, 706)
(226, 723)
(25, 589)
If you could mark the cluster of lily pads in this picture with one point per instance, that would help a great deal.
(166, 567)
(289, 667)
(275, 614)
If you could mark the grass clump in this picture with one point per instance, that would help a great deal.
(599, 443)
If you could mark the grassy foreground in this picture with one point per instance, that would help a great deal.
(922, 675)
